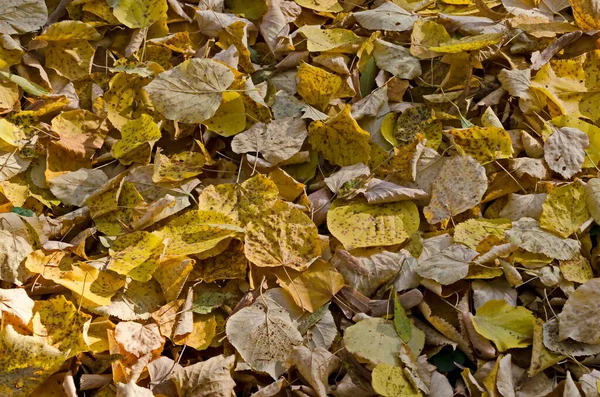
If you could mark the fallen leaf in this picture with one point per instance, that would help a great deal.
(138, 136)
(264, 337)
(22, 16)
(317, 86)
(315, 286)
(484, 144)
(320, 40)
(242, 202)
(444, 264)
(578, 316)
(62, 326)
(454, 192)
(138, 339)
(592, 198)
(586, 14)
(564, 210)
(315, 366)
(197, 232)
(396, 59)
(197, 83)
(139, 14)
(208, 378)
(366, 273)
(26, 363)
(276, 141)
(526, 233)
(468, 43)
(523, 206)
(341, 140)
(564, 151)
(285, 236)
(388, 16)
(390, 381)
(179, 167)
(15, 305)
(505, 325)
(73, 188)
(359, 225)
(373, 341)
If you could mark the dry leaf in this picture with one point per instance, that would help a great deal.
(564, 151)
(453, 191)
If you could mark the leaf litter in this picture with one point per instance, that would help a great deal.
(299, 198)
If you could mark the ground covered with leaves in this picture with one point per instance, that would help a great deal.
(299, 198)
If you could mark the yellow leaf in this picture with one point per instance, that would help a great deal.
(289, 188)
(320, 5)
(469, 43)
(230, 264)
(254, 105)
(481, 234)
(16, 191)
(10, 51)
(10, 135)
(96, 336)
(282, 236)
(242, 202)
(341, 140)
(147, 297)
(388, 126)
(569, 88)
(358, 225)
(427, 34)
(126, 98)
(374, 341)
(166, 317)
(564, 209)
(541, 357)
(136, 255)
(236, 34)
(505, 325)
(315, 286)
(338, 40)
(68, 51)
(137, 138)
(484, 144)
(9, 97)
(178, 167)
(172, 275)
(317, 86)
(199, 233)
(114, 210)
(25, 362)
(137, 14)
(205, 327)
(81, 132)
(101, 9)
(586, 13)
(401, 163)
(82, 279)
(230, 117)
(577, 270)
(418, 120)
(391, 381)
(61, 324)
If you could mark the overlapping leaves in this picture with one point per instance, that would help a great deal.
(393, 198)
